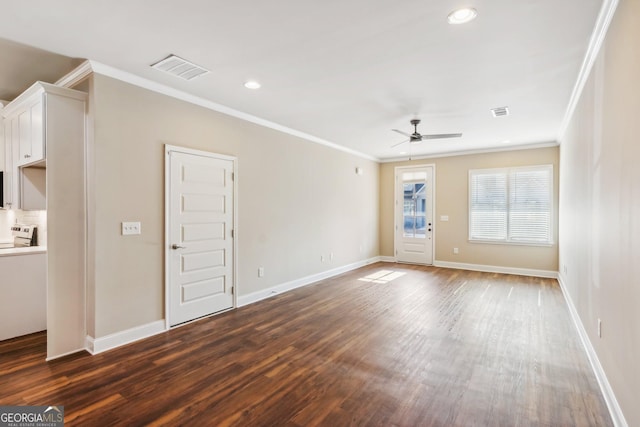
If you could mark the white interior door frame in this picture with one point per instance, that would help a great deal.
(397, 197)
(167, 221)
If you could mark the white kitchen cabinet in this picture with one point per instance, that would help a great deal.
(31, 115)
(23, 293)
(42, 115)
(31, 137)
(10, 181)
(2, 136)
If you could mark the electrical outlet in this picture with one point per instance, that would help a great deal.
(260, 271)
(456, 251)
(129, 228)
(331, 256)
(321, 258)
(444, 217)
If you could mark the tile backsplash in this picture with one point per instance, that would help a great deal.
(9, 217)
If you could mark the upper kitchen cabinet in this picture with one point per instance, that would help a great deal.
(31, 133)
(37, 115)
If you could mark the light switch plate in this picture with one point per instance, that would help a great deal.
(129, 228)
(444, 217)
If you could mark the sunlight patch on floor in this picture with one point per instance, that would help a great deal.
(382, 276)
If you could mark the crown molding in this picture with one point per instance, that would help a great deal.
(91, 66)
(531, 146)
(34, 91)
(595, 43)
(80, 73)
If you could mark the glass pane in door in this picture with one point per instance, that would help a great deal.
(415, 206)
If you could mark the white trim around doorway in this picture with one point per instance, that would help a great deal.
(167, 182)
(398, 169)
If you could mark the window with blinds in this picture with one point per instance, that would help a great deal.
(511, 205)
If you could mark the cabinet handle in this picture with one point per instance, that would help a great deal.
(26, 156)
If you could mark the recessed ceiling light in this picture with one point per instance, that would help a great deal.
(252, 84)
(462, 16)
(506, 141)
(403, 152)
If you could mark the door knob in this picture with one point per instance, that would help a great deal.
(176, 246)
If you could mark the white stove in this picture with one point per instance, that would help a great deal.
(24, 235)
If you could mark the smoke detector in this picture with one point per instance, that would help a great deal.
(179, 67)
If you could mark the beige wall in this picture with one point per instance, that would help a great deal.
(297, 200)
(600, 208)
(452, 175)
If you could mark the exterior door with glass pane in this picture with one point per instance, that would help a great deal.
(414, 215)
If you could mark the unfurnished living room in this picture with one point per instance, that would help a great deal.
(297, 213)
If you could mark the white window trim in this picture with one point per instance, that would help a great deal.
(507, 171)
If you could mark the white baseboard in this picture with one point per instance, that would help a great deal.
(387, 259)
(89, 344)
(108, 342)
(497, 269)
(298, 283)
(607, 392)
(99, 345)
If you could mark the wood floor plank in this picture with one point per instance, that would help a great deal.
(384, 345)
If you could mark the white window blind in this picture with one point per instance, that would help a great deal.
(511, 205)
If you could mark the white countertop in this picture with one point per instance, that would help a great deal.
(23, 251)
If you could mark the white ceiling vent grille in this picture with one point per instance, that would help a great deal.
(500, 111)
(179, 67)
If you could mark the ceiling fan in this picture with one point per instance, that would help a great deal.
(416, 138)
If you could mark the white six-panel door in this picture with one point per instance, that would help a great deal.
(200, 243)
(414, 225)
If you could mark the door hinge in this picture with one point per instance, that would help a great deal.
(233, 176)
(232, 290)
(232, 234)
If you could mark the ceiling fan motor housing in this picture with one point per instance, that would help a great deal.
(415, 137)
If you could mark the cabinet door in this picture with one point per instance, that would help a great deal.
(14, 157)
(31, 134)
(24, 137)
(8, 164)
(37, 131)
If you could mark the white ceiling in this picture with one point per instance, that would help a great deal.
(344, 71)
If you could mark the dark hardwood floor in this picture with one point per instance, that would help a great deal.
(430, 347)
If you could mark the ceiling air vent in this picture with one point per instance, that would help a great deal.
(500, 112)
(179, 67)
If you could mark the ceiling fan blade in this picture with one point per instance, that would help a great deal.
(401, 133)
(442, 135)
(399, 143)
